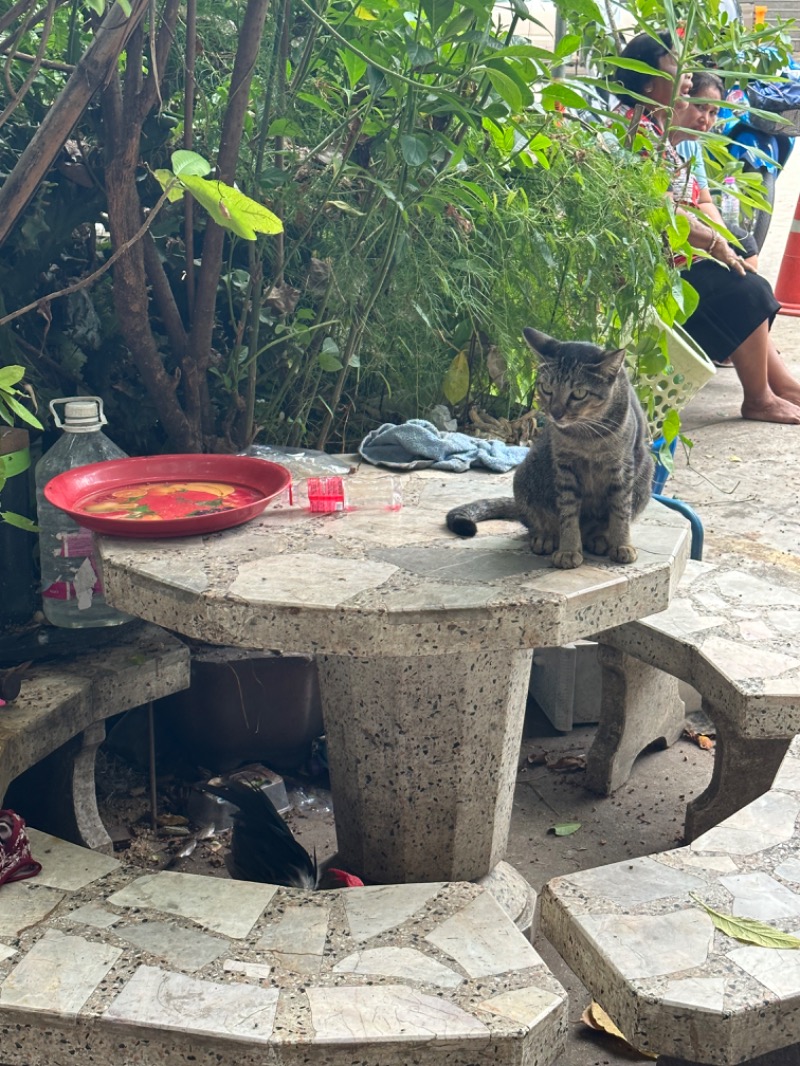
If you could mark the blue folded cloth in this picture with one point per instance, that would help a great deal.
(417, 444)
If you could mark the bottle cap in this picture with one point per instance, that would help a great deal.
(82, 414)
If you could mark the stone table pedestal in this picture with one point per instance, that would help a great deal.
(423, 756)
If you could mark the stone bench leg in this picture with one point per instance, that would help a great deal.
(639, 706)
(61, 792)
(744, 769)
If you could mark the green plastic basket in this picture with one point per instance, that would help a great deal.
(672, 387)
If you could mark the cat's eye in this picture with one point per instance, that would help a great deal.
(580, 394)
(543, 389)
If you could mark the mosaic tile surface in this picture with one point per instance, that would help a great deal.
(733, 636)
(102, 961)
(672, 981)
(384, 582)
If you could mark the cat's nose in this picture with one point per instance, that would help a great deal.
(557, 411)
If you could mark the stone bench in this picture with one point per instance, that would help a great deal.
(650, 955)
(732, 635)
(104, 963)
(63, 706)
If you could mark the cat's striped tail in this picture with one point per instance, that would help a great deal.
(463, 520)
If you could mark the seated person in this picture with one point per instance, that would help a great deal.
(736, 306)
(701, 116)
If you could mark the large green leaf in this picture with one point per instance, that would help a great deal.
(164, 177)
(189, 164)
(556, 91)
(513, 71)
(456, 381)
(566, 829)
(355, 66)
(21, 412)
(10, 375)
(506, 88)
(568, 44)
(748, 930)
(419, 55)
(232, 209)
(329, 356)
(437, 11)
(414, 149)
(20, 521)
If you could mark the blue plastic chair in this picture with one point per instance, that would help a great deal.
(659, 481)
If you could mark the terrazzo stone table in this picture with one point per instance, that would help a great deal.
(733, 635)
(424, 645)
(61, 713)
(105, 964)
(651, 956)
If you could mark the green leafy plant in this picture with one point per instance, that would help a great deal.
(11, 409)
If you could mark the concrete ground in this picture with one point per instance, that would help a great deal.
(742, 479)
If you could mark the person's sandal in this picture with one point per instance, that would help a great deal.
(16, 861)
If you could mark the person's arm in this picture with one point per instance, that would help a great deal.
(707, 239)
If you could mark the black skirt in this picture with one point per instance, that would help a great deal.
(731, 307)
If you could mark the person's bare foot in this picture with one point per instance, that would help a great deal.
(772, 409)
(790, 393)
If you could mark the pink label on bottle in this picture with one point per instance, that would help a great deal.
(59, 590)
(76, 545)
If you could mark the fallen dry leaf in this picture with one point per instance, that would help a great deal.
(749, 930)
(537, 758)
(596, 1018)
(568, 764)
(700, 739)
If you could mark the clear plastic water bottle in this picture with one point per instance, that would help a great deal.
(72, 589)
(729, 204)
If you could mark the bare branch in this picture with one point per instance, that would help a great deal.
(19, 96)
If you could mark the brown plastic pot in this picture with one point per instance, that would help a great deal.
(247, 706)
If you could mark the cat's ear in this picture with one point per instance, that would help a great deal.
(612, 360)
(540, 342)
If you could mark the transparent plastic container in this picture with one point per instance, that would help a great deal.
(729, 204)
(72, 589)
(329, 494)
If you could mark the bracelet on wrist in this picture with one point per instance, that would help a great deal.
(713, 243)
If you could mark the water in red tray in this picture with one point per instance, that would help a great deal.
(153, 501)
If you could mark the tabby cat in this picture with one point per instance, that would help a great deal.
(589, 470)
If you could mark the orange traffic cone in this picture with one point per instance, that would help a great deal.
(787, 287)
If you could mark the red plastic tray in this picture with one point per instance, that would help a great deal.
(137, 482)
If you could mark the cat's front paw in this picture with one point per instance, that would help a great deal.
(567, 560)
(622, 553)
(597, 545)
(543, 545)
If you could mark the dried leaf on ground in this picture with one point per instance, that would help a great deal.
(596, 1018)
(537, 758)
(749, 930)
(568, 764)
(564, 829)
(702, 740)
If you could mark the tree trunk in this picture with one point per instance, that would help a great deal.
(205, 302)
(125, 107)
(89, 75)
